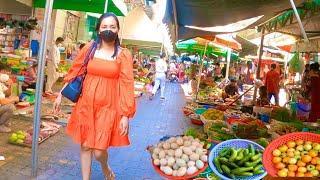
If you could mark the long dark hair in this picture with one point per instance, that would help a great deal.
(117, 41)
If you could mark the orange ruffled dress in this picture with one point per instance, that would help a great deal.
(107, 95)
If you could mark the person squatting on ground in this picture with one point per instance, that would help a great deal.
(100, 118)
(6, 103)
(160, 76)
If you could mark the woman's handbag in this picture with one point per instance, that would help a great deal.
(74, 88)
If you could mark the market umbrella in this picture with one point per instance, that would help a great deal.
(196, 45)
(225, 40)
(96, 6)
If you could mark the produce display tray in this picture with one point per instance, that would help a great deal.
(30, 145)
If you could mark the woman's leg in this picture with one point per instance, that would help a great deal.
(86, 160)
(102, 157)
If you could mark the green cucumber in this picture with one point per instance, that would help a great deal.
(238, 171)
(217, 164)
(233, 155)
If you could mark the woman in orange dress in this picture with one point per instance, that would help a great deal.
(100, 117)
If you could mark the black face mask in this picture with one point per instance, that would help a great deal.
(108, 36)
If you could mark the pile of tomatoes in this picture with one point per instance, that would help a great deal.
(297, 159)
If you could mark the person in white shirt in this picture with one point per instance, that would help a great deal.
(52, 65)
(160, 76)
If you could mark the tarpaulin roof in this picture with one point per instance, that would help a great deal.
(210, 13)
(96, 6)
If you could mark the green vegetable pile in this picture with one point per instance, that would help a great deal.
(238, 163)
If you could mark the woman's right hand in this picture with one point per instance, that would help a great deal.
(57, 104)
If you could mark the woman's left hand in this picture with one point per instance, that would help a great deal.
(124, 126)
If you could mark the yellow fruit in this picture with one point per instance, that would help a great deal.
(307, 147)
(291, 144)
(293, 167)
(299, 142)
(302, 169)
(292, 161)
(290, 154)
(285, 160)
(313, 153)
(282, 173)
(301, 164)
(283, 148)
(300, 147)
(308, 174)
(280, 165)
(276, 160)
(276, 152)
(299, 174)
(291, 174)
(306, 158)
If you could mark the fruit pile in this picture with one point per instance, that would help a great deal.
(180, 156)
(237, 163)
(213, 114)
(19, 137)
(297, 159)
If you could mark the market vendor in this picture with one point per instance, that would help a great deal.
(6, 103)
(315, 95)
(232, 89)
(31, 77)
(263, 99)
(52, 65)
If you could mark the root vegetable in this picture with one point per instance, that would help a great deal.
(167, 170)
(192, 170)
(199, 164)
(204, 158)
(156, 162)
(187, 151)
(175, 166)
(181, 163)
(156, 150)
(194, 157)
(155, 156)
(171, 152)
(174, 146)
(182, 171)
(166, 145)
(185, 138)
(178, 153)
(187, 143)
(175, 173)
(171, 161)
(180, 141)
(185, 157)
(193, 148)
(171, 140)
(200, 151)
(163, 162)
(191, 163)
(162, 154)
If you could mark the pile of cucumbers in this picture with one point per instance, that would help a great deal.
(239, 163)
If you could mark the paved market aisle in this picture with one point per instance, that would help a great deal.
(59, 157)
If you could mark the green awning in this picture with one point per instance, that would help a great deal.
(95, 6)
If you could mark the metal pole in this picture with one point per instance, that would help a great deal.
(299, 21)
(228, 62)
(39, 88)
(259, 63)
(200, 71)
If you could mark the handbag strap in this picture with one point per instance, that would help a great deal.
(89, 55)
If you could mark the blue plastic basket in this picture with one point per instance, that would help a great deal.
(236, 143)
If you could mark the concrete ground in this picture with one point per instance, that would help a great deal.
(59, 156)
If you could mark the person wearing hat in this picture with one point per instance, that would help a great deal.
(6, 103)
(232, 89)
(160, 76)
